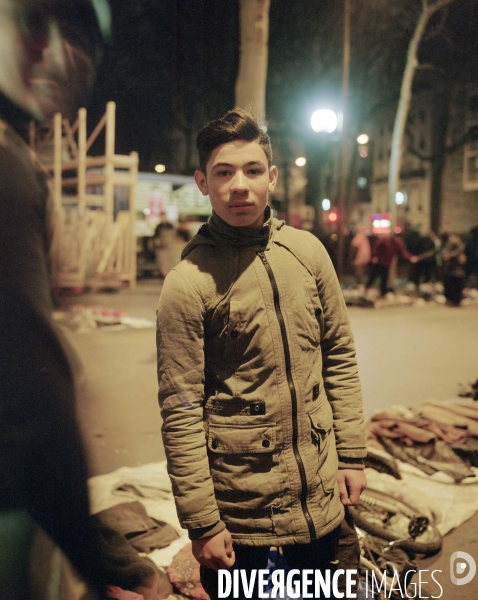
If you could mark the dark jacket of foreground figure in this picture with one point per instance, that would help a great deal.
(42, 466)
(259, 386)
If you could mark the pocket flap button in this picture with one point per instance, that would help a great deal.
(257, 408)
(266, 443)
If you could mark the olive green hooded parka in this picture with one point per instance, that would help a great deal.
(258, 384)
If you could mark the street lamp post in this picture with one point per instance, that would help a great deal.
(323, 121)
(343, 153)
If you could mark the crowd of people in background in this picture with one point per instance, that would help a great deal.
(422, 258)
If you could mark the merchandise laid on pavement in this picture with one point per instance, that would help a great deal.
(442, 488)
(83, 319)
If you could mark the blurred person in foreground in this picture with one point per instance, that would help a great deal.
(258, 381)
(48, 55)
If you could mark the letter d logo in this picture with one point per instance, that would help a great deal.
(460, 567)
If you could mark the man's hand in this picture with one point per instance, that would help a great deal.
(215, 552)
(351, 483)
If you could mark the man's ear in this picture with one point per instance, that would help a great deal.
(201, 182)
(273, 174)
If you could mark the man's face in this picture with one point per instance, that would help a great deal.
(238, 181)
(42, 69)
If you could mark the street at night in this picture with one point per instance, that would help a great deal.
(239, 299)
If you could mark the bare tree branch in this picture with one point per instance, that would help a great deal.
(396, 154)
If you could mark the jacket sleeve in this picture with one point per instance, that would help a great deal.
(339, 369)
(181, 362)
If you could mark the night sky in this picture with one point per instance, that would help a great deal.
(173, 63)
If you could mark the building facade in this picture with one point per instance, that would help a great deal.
(439, 175)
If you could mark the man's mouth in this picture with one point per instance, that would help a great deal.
(241, 204)
(46, 83)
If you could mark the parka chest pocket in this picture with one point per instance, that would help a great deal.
(246, 439)
(323, 437)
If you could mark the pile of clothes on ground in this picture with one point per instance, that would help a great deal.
(434, 448)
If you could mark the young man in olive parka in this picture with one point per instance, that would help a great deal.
(258, 383)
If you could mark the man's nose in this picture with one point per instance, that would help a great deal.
(57, 51)
(47, 44)
(239, 182)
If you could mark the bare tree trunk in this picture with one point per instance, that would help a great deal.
(396, 154)
(252, 76)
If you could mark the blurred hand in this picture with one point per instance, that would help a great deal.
(414, 259)
(351, 484)
(215, 552)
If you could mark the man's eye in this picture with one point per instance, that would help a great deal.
(255, 171)
(222, 173)
(34, 25)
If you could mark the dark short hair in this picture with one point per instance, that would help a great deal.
(236, 124)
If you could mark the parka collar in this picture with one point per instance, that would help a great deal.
(255, 238)
(219, 233)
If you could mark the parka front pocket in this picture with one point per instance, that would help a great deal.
(323, 437)
(244, 466)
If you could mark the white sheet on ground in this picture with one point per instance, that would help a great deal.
(148, 484)
(453, 504)
(458, 501)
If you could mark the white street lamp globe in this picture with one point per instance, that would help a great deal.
(362, 139)
(324, 120)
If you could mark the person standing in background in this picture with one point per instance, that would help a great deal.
(425, 269)
(453, 259)
(360, 254)
(167, 246)
(471, 253)
(384, 251)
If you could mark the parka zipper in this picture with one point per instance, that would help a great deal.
(293, 395)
